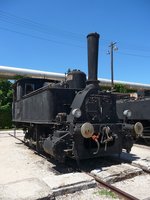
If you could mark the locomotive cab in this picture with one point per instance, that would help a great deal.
(27, 85)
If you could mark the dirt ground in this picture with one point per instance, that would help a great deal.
(18, 163)
(21, 165)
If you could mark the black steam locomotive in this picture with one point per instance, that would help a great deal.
(139, 112)
(73, 118)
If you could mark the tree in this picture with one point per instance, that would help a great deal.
(123, 89)
(5, 103)
(120, 88)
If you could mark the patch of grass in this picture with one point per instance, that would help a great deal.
(107, 193)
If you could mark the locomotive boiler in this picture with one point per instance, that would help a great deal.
(73, 118)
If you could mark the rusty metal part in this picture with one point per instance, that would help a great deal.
(114, 189)
(98, 146)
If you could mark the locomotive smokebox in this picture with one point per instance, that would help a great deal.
(93, 43)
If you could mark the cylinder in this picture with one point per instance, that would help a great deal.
(92, 45)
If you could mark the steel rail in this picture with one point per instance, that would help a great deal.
(114, 189)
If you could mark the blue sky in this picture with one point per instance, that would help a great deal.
(50, 35)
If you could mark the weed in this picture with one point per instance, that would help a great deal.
(107, 193)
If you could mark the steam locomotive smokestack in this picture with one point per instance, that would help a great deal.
(93, 43)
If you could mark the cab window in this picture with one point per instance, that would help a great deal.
(29, 87)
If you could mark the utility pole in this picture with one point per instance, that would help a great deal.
(112, 48)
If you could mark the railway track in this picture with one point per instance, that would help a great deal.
(117, 191)
(109, 164)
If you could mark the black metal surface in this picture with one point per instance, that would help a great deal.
(140, 108)
(27, 85)
(43, 106)
(93, 43)
(140, 112)
(76, 79)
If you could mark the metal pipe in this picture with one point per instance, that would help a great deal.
(130, 85)
(13, 73)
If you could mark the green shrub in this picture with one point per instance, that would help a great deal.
(5, 116)
(5, 104)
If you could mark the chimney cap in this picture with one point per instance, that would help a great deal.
(93, 34)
